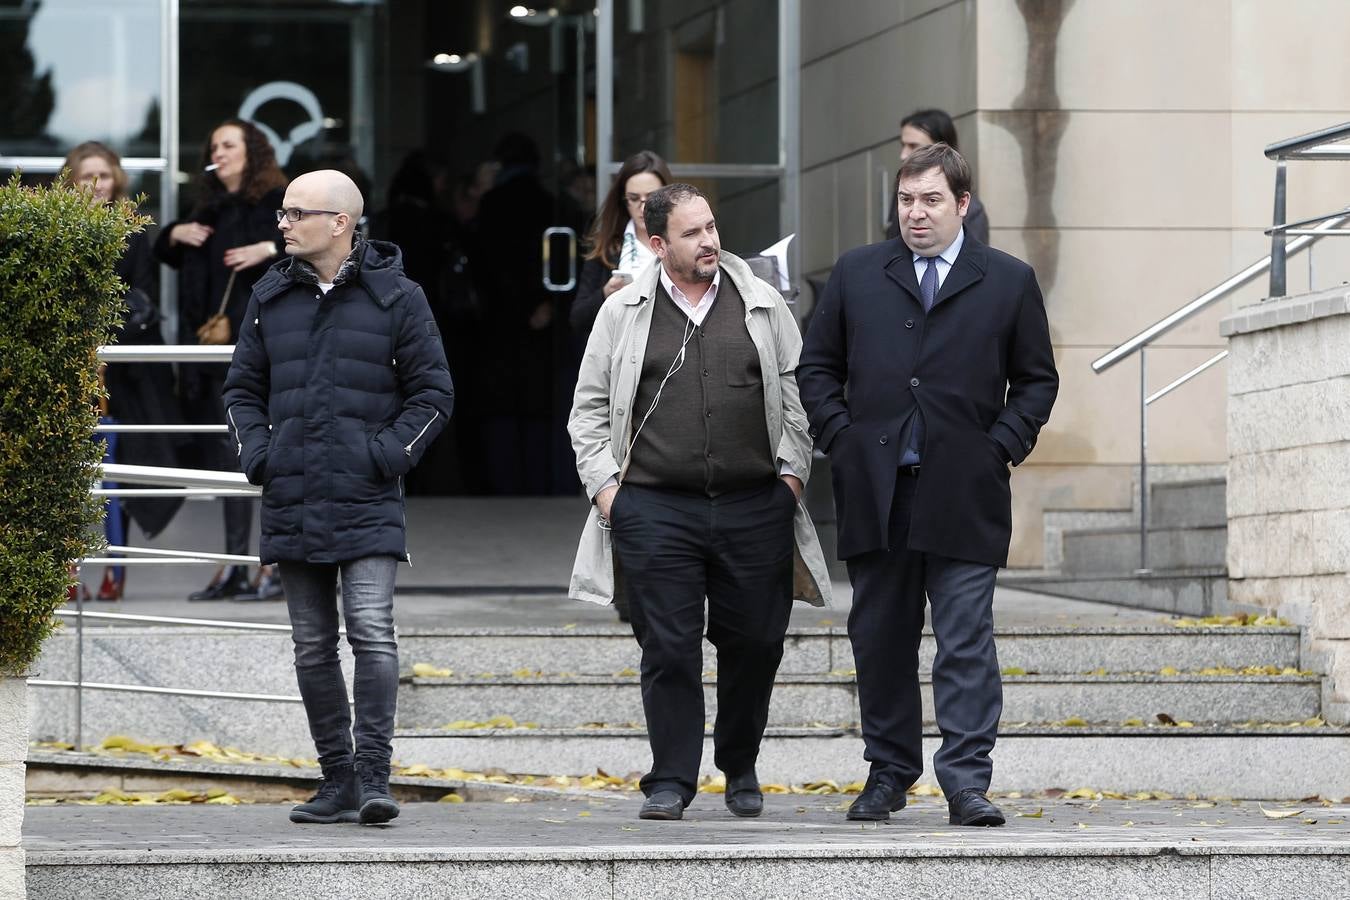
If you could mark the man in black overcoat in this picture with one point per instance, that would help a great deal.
(927, 372)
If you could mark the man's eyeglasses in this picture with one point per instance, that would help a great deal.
(295, 213)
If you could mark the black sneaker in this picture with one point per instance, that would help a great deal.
(337, 800)
(377, 806)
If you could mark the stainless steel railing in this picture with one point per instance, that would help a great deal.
(164, 482)
(1328, 144)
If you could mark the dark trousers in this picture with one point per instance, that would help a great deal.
(368, 610)
(222, 453)
(676, 549)
(885, 626)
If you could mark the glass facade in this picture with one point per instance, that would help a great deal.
(425, 104)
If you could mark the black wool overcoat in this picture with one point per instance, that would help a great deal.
(331, 399)
(980, 367)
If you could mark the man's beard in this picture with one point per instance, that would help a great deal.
(691, 273)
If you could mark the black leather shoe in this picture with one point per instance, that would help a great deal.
(743, 797)
(230, 581)
(876, 802)
(663, 805)
(972, 807)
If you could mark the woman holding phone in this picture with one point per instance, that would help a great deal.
(619, 248)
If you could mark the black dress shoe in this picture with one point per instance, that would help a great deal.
(876, 802)
(663, 805)
(972, 807)
(231, 581)
(743, 797)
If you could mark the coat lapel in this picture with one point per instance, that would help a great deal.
(900, 269)
(968, 270)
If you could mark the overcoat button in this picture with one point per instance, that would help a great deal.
(914, 382)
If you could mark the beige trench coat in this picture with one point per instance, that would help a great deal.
(602, 414)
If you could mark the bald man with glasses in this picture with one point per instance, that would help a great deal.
(338, 384)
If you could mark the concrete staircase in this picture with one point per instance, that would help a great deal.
(1084, 704)
(1096, 556)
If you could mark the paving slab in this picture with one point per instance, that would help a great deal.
(802, 847)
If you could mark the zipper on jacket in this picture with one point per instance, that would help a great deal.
(229, 411)
(403, 514)
(407, 451)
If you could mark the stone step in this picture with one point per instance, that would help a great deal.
(1189, 504)
(801, 849)
(174, 657)
(1215, 762)
(1195, 592)
(804, 700)
(1116, 550)
(68, 774)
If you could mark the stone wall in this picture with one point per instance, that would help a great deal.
(13, 751)
(1289, 473)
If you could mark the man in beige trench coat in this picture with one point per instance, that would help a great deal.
(691, 441)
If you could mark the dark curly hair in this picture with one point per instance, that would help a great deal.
(261, 172)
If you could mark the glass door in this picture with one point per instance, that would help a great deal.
(709, 88)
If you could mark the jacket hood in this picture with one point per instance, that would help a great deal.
(376, 265)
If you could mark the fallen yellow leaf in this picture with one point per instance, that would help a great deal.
(451, 798)
(1279, 814)
(1040, 812)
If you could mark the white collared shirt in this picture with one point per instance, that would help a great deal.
(633, 254)
(946, 259)
(696, 313)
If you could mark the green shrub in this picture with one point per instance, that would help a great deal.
(59, 300)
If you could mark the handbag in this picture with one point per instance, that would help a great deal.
(216, 330)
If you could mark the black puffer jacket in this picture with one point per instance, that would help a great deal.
(354, 386)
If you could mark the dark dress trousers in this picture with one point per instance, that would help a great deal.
(980, 370)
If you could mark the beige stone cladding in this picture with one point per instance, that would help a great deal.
(1123, 159)
(1289, 473)
(13, 751)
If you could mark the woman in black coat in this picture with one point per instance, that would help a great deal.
(220, 249)
(138, 393)
(618, 244)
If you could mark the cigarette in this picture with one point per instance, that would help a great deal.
(212, 167)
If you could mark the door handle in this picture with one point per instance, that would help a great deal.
(549, 283)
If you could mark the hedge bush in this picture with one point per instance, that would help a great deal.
(59, 300)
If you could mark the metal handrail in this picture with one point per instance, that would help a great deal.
(1294, 147)
(1318, 145)
(81, 684)
(1208, 298)
(180, 483)
(1276, 229)
(122, 473)
(180, 620)
(1163, 392)
(173, 692)
(168, 353)
(161, 429)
